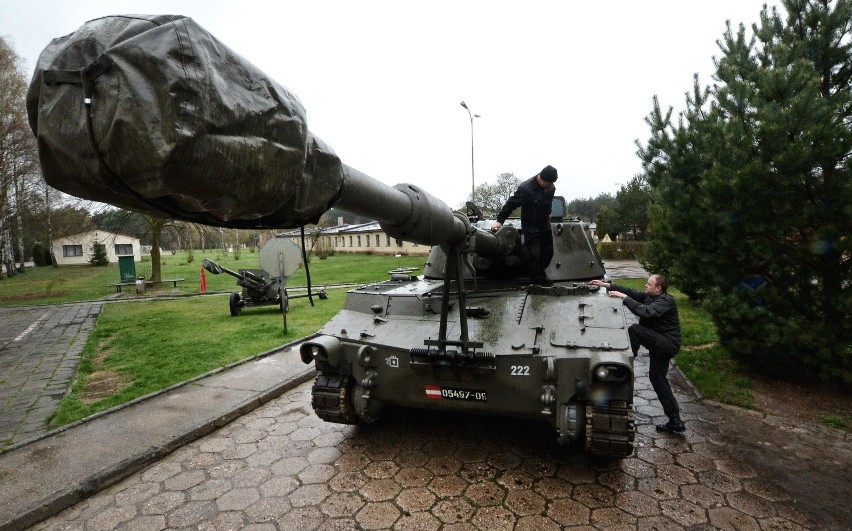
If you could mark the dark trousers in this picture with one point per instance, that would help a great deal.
(540, 249)
(661, 351)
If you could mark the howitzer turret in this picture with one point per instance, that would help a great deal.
(154, 114)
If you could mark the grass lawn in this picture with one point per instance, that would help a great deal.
(51, 285)
(137, 348)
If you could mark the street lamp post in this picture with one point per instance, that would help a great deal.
(472, 174)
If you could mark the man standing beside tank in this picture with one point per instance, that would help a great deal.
(659, 331)
(535, 197)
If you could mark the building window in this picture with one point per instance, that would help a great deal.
(378, 241)
(359, 241)
(350, 241)
(123, 249)
(368, 240)
(72, 250)
(388, 242)
(399, 243)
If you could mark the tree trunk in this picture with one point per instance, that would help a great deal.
(157, 225)
(19, 207)
(49, 225)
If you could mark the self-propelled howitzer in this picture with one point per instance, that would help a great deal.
(153, 113)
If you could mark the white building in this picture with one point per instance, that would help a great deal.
(79, 248)
(367, 238)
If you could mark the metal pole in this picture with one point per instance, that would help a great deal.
(472, 172)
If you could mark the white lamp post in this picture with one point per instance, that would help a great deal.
(472, 174)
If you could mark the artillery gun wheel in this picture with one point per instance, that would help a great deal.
(236, 307)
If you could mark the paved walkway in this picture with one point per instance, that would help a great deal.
(40, 350)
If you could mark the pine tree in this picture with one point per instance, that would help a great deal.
(99, 255)
(753, 191)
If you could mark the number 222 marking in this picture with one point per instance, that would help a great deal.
(520, 370)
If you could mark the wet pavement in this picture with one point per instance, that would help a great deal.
(40, 350)
(280, 467)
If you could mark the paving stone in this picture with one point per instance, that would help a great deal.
(613, 518)
(377, 515)
(163, 503)
(525, 502)
(453, 510)
(730, 519)
(567, 512)
(267, 509)
(494, 518)
(380, 490)
(420, 521)
(237, 499)
(637, 503)
(419, 499)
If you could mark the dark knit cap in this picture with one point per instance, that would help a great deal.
(548, 174)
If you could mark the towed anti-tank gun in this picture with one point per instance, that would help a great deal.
(259, 286)
(153, 113)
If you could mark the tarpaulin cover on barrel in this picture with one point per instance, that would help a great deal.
(153, 113)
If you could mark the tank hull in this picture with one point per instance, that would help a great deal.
(540, 350)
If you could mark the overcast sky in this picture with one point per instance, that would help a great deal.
(556, 82)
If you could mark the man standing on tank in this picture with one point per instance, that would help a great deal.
(535, 197)
(659, 331)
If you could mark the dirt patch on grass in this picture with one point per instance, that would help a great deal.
(101, 384)
(33, 296)
(818, 403)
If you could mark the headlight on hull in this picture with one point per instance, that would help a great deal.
(323, 349)
(610, 373)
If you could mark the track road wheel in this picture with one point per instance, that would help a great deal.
(235, 304)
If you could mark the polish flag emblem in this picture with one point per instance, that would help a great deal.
(433, 392)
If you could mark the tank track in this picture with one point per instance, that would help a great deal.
(610, 430)
(330, 399)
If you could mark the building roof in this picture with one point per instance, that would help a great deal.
(106, 233)
(370, 226)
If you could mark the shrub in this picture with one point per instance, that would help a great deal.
(99, 255)
(41, 255)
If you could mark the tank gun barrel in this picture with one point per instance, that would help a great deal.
(153, 113)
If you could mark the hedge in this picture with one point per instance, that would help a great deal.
(623, 250)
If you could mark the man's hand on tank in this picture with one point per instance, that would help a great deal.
(496, 226)
(617, 294)
(601, 283)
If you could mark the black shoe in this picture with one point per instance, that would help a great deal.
(673, 426)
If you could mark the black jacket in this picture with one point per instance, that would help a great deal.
(658, 313)
(535, 202)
